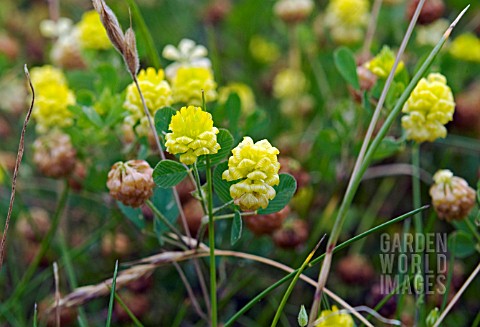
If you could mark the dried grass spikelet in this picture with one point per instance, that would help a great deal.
(124, 43)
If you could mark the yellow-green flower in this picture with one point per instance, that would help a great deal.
(91, 33)
(193, 134)
(335, 318)
(52, 98)
(46, 75)
(382, 64)
(289, 83)
(466, 47)
(244, 92)
(155, 89)
(256, 165)
(346, 19)
(188, 83)
(263, 50)
(428, 109)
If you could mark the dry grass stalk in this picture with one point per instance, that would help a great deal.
(21, 148)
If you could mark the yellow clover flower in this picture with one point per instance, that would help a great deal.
(46, 75)
(428, 109)
(188, 83)
(466, 47)
(335, 319)
(91, 33)
(382, 64)
(193, 134)
(263, 50)
(257, 166)
(244, 92)
(289, 83)
(155, 90)
(346, 19)
(52, 98)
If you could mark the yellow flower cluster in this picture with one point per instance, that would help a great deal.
(263, 50)
(244, 92)
(289, 83)
(257, 166)
(188, 83)
(193, 134)
(335, 319)
(346, 19)
(428, 109)
(466, 47)
(52, 98)
(155, 89)
(382, 64)
(91, 33)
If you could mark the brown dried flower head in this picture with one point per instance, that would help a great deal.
(131, 182)
(452, 198)
(54, 154)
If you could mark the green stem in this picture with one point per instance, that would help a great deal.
(211, 237)
(357, 178)
(278, 314)
(417, 221)
(199, 187)
(72, 279)
(165, 221)
(130, 314)
(449, 273)
(472, 229)
(44, 246)
(316, 261)
(152, 53)
(223, 206)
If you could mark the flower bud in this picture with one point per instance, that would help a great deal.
(131, 182)
(293, 11)
(266, 224)
(431, 11)
(452, 198)
(54, 154)
(293, 234)
(432, 317)
(355, 269)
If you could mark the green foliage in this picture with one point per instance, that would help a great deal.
(236, 232)
(345, 63)
(221, 186)
(464, 243)
(163, 118)
(168, 173)
(285, 190)
(225, 139)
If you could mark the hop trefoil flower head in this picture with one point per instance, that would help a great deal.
(452, 198)
(334, 318)
(193, 134)
(187, 54)
(382, 64)
(155, 89)
(131, 182)
(428, 109)
(255, 166)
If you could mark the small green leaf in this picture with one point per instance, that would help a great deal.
(221, 186)
(135, 215)
(233, 107)
(478, 193)
(388, 147)
(225, 139)
(163, 118)
(236, 228)
(464, 244)
(169, 173)
(345, 63)
(285, 190)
